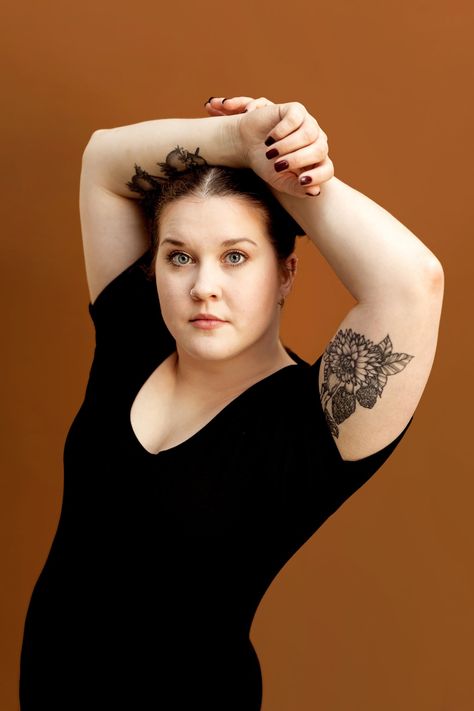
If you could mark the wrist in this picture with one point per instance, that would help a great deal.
(231, 141)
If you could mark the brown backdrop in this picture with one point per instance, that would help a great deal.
(375, 611)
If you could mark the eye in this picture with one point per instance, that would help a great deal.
(171, 255)
(239, 254)
(170, 258)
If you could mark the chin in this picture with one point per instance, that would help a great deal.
(212, 349)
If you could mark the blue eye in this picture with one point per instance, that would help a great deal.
(170, 258)
(240, 254)
(174, 254)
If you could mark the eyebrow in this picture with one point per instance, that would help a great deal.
(226, 243)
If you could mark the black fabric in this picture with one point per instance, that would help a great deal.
(160, 561)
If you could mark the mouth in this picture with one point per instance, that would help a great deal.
(204, 317)
(207, 323)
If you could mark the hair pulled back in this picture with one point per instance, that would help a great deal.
(203, 181)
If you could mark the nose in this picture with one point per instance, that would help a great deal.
(205, 285)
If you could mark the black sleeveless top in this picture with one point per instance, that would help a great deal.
(160, 561)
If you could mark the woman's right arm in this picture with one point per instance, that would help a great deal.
(114, 229)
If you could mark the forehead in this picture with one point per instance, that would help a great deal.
(214, 217)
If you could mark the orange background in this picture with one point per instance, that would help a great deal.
(375, 611)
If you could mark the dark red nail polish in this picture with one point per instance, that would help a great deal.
(273, 153)
(305, 180)
(281, 165)
(269, 141)
(209, 99)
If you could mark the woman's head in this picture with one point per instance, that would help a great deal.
(210, 181)
(222, 244)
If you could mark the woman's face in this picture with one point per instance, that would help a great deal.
(238, 282)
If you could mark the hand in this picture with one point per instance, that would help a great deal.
(298, 138)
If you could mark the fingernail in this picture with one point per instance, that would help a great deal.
(209, 100)
(281, 165)
(224, 100)
(305, 180)
(272, 154)
(270, 141)
(315, 195)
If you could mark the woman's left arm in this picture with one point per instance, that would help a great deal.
(392, 330)
(395, 278)
(374, 255)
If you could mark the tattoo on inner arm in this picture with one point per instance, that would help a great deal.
(179, 160)
(356, 371)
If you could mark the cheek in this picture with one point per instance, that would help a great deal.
(171, 301)
(258, 297)
(169, 289)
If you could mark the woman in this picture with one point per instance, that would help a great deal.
(206, 452)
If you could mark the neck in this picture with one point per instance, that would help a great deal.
(213, 380)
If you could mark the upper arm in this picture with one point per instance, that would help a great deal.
(374, 370)
(114, 229)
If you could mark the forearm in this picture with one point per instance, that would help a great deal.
(112, 154)
(372, 253)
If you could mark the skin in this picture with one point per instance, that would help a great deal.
(247, 348)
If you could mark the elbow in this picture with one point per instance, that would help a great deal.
(424, 282)
(434, 276)
(92, 143)
(94, 154)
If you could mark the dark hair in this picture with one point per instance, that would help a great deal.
(207, 181)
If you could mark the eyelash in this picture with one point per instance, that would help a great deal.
(169, 258)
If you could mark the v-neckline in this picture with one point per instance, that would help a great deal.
(190, 440)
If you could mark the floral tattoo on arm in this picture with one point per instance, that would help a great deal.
(356, 371)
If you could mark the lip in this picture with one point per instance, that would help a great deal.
(208, 323)
(207, 317)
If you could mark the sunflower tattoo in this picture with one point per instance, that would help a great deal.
(356, 370)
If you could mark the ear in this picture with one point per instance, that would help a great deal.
(291, 265)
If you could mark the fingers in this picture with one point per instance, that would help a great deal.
(224, 106)
(299, 159)
(308, 134)
(299, 147)
(292, 116)
(303, 153)
(319, 174)
(288, 181)
(215, 107)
